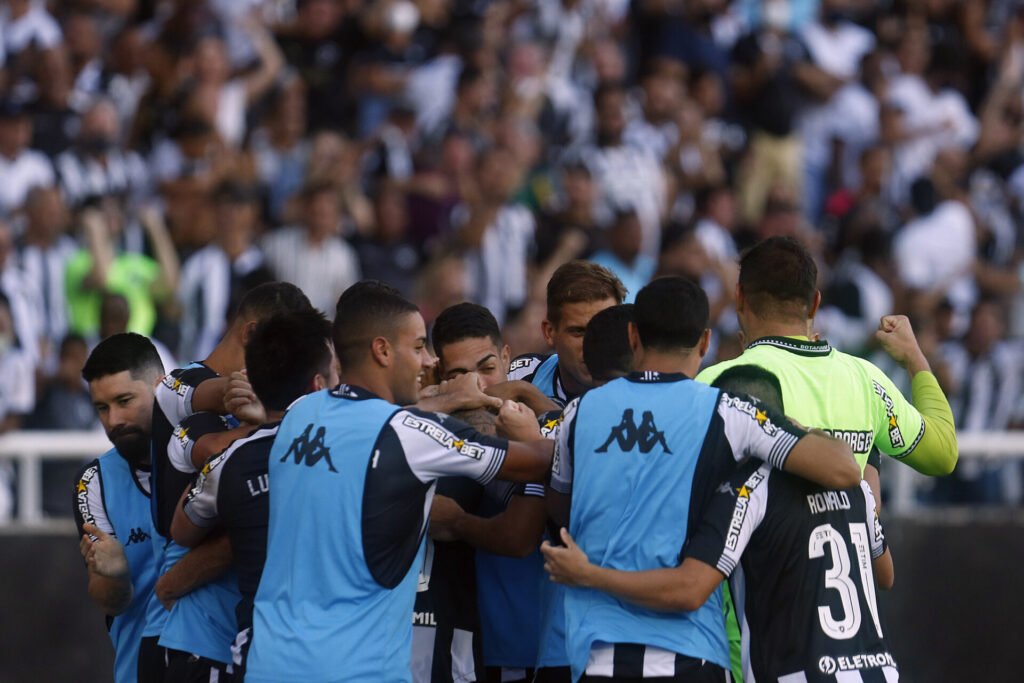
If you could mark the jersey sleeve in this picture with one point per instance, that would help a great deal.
(562, 460)
(185, 435)
(753, 429)
(200, 503)
(436, 445)
(175, 391)
(878, 544)
(89, 505)
(525, 367)
(733, 514)
(898, 424)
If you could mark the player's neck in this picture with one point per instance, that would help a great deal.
(227, 357)
(370, 381)
(570, 385)
(670, 363)
(759, 329)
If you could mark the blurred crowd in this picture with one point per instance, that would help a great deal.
(158, 158)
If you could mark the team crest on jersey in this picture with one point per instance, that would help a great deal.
(755, 411)
(895, 435)
(82, 494)
(444, 437)
(739, 511)
(628, 436)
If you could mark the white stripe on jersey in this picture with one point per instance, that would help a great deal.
(891, 674)
(659, 662)
(602, 660)
(463, 667)
(798, 677)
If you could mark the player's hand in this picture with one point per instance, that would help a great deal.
(517, 422)
(465, 392)
(164, 593)
(519, 390)
(240, 400)
(430, 379)
(444, 515)
(897, 339)
(105, 555)
(567, 566)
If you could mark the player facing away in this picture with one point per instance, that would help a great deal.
(802, 561)
(633, 504)
(288, 356)
(111, 498)
(352, 476)
(776, 301)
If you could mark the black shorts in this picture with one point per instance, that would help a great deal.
(688, 670)
(183, 667)
(553, 674)
(152, 661)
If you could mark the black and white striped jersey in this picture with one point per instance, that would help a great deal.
(800, 559)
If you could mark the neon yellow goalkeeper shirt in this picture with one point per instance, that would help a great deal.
(853, 400)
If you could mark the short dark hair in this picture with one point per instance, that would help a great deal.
(778, 277)
(120, 352)
(464, 321)
(671, 313)
(581, 282)
(271, 298)
(284, 353)
(755, 381)
(606, 349)
(367, 309)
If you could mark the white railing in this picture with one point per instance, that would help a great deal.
(28, 449)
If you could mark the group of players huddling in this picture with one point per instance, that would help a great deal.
(332, 502)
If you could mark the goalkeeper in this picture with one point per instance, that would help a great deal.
(848, 397)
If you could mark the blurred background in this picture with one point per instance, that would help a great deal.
(158, 158)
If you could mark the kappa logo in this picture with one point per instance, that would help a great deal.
(136, 536)
(444, 437)
(312, 451)
(895, 435)
(628, 436)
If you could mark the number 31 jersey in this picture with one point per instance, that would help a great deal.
(805, 587)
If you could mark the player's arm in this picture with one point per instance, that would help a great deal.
(110, 585)
(881, 557)
(185, 391)
(523, 392)
(926, 443)
(677, 589)
(513, 532)
(198, 567)
(559, 491)
(461, 393)
(753, 429)
(110, 581)
(196, 514)
(526, 461)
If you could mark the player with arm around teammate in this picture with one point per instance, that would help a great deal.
(802, 560)
(353, 474)
(288, 356)
(636, 460)
(111, 501)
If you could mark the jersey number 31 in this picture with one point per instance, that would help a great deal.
(837, 578)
